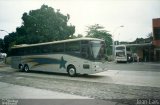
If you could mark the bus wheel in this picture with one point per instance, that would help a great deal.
(20, 67)
(71, 71)
(26, 68)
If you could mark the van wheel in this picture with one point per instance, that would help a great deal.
(20, 67)
(71, 71)
(26, 68)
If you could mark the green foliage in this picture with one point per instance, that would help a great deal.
(78, 36)
(97, 31)
(45, 24)
(1, 45)
(9, 40)
(41, 25)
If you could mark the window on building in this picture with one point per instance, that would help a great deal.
(157, 33)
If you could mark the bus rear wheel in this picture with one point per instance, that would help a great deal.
(20, 67)
(26, 68)
(71, 71)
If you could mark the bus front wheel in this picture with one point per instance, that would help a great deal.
(71, 71)
(26, 68)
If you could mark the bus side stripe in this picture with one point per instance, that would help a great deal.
(43, 61)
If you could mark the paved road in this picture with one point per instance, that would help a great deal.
(141, 66)
(121, 81)
(138, 74)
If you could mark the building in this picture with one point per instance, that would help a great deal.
(143, 50)
(156, 38)
(148, 49)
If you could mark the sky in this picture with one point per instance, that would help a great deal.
(134, 15)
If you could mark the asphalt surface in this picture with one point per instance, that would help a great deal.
(135, 66)
(115, 84)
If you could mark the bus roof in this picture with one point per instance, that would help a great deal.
(54, 42)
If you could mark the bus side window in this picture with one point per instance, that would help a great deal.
(84, 51)
(57, 48)
(72, 46)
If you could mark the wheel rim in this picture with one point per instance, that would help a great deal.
(20, 67)
(71, 71)
(26, 68)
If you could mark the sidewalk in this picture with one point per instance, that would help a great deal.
(11, 91)
(1, 64)
(22, 95)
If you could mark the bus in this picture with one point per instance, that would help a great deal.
(123, 53)
(72, 56)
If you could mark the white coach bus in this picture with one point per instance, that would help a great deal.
(123, 53)
(72, 56)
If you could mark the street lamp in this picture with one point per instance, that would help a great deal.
(113, 45)
(4, 31)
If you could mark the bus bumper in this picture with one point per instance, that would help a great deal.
(121, 59)
(99, 67)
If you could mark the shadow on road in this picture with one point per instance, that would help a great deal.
(65, 74)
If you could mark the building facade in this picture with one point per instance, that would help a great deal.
(156, 38)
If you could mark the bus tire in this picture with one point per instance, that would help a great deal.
(20, 67)
(71, 71)
(26, 68)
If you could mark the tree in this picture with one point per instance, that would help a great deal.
(97, 31)
(46, 24)
(9, 40)
(1, 45)
(150, 37)
(41, 25)
(79, 36)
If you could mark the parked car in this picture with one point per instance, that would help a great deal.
(3, 55)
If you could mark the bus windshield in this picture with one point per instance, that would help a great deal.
(120, 54)
(97, 50)
(120, 48)
(120, 51)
